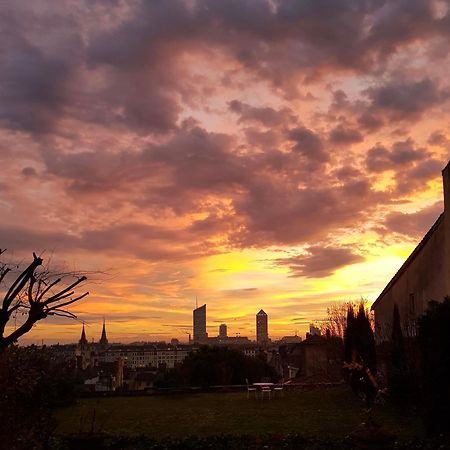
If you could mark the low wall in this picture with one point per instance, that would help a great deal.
(195, 390)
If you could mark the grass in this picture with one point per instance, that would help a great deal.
(321, 412)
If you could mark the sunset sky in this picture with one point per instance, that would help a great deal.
(269, 154)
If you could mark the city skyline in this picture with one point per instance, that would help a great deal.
(283, 155)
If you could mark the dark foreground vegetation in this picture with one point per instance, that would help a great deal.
(39, 408)
(217, 366)
(243, 442)
(333, 412)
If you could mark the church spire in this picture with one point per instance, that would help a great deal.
(83, 341)
(103, 340)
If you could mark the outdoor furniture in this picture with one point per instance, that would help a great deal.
(279, 388)
(250, 389)
(265, 389)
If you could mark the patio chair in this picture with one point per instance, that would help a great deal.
(250, 389)
(266, 390)
(279, 388)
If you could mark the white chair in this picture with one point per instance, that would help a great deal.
(250, 389)
(279, 388)
(266, 390)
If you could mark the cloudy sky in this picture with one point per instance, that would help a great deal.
(253, 153)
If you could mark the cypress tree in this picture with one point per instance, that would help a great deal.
(364, 339)
(434, 341)
(349, 334)
(398, 376)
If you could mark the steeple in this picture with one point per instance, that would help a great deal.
(103, 340)
(83, 341)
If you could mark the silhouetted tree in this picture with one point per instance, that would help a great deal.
(434, 341)
(335, 321)
(364, 339)
(359, 349)
(30, 386)
(223, 366)
(397, 369)
(35, 293)
(349, 334)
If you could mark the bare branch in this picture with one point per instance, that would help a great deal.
(20, 282)
(28, 293)
(30, 288)
(67, 289)
(62, 313)
(48, 288)
(4, 272)
(67, 303)
(59, 298)
(15, 307)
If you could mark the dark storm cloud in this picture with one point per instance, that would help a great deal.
(398, 22)
(319, 262)
(33, 81)
(370, 122)
(415, 178)
(264, 36)
(438, 138)
(309, 144)
(346, 173)
(150, 243)
(283, 213)
(22, 239)
(415, 224)
(266, 116)
(342, 135)
(405, 99)
(29, 172)
(124, 73)
(401, 153)
(199, 159)
(145, 80)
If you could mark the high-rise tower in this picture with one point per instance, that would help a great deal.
(199, 317)
(262, 332)
(223, 331)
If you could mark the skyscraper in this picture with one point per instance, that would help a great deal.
(223, 331)
(262, 332)
(199, 316)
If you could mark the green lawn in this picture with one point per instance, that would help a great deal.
(321, 412)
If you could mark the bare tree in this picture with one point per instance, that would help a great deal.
(336, 319)
(35, 293)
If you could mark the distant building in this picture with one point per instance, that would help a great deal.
(262, 329)
(229, 341)
(139, 356)
(223, 331)
(424, 276)
(84, 354)
(103, 339)
(199, 325)
(315, 359)
(290, 340)
(313, 330)
(83, 342)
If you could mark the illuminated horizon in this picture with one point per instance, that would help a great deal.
(257, 155)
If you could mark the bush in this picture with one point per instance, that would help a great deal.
(29, 388)
(434, 341)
